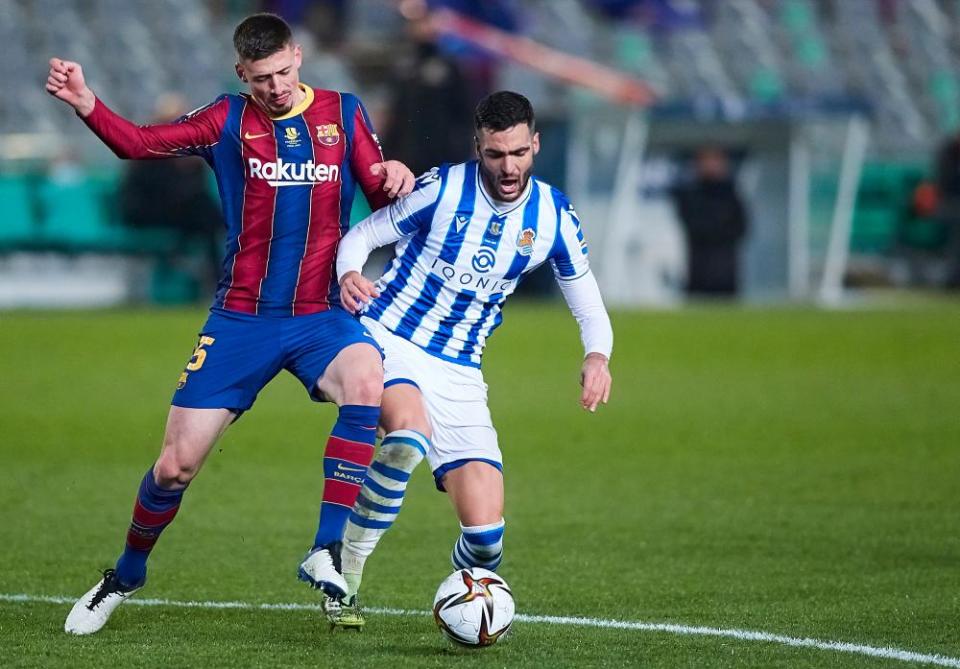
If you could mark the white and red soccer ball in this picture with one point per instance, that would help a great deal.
(473, 607)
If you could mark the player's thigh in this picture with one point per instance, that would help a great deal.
(476, 491)
(354, 376)
(188, 439)
(403, 408)
(335, 358)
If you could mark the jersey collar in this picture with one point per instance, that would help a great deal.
(300, 108)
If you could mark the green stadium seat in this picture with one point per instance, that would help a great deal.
(882, 209)
(74, 216)
(874, 230)
(945, 92)
(18, 228)
(796, 17)
(766, 85)
(925, 234)
(811, 52)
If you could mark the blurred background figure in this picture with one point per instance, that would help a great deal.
(430, 108)
(714, 222)
(175, 195)
(948, 210)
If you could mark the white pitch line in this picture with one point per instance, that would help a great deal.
(669, 628)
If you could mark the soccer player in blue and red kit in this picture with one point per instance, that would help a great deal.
(288, 159)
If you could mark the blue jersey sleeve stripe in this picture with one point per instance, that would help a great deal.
(559, 255)
(573, 278)
(423, 216)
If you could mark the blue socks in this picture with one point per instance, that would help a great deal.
(479, 546)
(345, 460)
(153, 510)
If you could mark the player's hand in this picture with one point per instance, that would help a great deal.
(397, 178)
(356, 291)
(596, 381)
(65, 81)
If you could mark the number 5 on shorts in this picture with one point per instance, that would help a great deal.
(196, 360)
(199, 354)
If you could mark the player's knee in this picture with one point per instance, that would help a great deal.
(481, 515)
(403, 450)
(406, 419)
(368, 390)
(171, 473)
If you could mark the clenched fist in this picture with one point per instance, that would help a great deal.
(65, 81)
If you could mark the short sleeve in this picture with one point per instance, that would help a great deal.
(413, 212)
(569, 255)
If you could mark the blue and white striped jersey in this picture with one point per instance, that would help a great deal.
(460, 255)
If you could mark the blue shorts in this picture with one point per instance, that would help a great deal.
(238, 354)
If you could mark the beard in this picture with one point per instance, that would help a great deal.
(505, 188)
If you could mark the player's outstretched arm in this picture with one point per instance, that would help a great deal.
(596, 381)
(65, 81)
(192, 135)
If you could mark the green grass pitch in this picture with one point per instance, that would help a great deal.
(789, 471)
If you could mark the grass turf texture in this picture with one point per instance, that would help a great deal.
(791, 471)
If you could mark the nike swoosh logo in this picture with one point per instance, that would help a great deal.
(350, 469)
(247, 135)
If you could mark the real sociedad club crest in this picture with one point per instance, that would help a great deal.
(328, 135)
(525, 241)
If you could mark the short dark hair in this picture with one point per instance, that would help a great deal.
(503, 109)
(261, 35)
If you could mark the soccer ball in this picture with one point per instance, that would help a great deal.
(473, 607)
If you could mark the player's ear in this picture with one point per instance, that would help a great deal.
(535, 143)
(240, 73)
(476, 145)
(297, 56)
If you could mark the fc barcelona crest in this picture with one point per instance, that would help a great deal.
(328, 135)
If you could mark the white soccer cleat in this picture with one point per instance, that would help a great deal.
(321, 569)
(92, 611)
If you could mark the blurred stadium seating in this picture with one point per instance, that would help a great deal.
(729, 62)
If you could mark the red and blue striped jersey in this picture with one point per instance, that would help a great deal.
(286, 187)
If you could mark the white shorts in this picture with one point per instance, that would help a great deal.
(455, 397)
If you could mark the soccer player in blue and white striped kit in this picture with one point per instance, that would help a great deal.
(467, 235)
